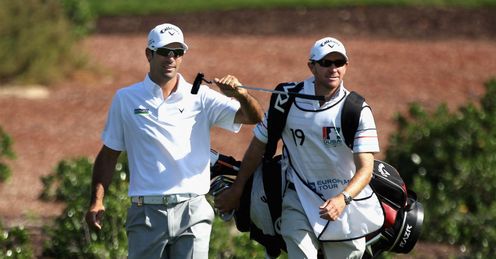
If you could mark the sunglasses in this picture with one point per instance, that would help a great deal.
(166, 52)
(328, 63)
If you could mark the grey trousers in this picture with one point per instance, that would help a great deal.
(300, 239)
(177, 231)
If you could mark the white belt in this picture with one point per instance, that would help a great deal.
(170, 199)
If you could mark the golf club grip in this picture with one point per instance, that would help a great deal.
(196, 84)
(304, 96)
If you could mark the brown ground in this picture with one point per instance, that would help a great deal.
(397, 56)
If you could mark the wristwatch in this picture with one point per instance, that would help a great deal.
(347, 197)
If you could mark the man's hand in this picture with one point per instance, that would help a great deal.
(228, 85)
(332, 208)
(94, 217)
(251, 111)
(228, 199)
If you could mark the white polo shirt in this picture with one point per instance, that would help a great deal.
(167, 141)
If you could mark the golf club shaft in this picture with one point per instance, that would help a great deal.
(200, 78)
(305, 96)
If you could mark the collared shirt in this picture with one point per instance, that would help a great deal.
(167, 141)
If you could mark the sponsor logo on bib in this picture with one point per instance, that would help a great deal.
(331, 136)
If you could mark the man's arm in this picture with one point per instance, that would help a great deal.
(229, 199)
(364, 162)
(103, 171)
(250, 111)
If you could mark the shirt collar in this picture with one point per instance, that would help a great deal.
(156, 91)
(309, 88)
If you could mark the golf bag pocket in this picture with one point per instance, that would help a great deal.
(404, 214)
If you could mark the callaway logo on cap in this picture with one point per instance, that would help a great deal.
(164, 34)
(325, 46)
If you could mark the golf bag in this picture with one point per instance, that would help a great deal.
(254, 214)
(404, 214)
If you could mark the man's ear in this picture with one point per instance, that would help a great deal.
(311, 66)
(149, 54)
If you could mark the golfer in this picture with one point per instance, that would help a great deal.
(165, 131)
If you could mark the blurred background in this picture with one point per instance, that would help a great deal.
(427, 69)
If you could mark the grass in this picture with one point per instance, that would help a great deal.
(136, 7)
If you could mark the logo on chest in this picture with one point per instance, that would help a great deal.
(331, 136)
(141, 111)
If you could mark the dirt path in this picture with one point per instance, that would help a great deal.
(390, 71)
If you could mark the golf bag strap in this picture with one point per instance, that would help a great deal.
(273, 244)
(242, 214)
(350, 117)
(280, 105)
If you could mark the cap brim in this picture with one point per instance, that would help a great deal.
(163, 44)
(317, 58)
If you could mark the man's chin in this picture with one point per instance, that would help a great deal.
(333, 83)
(169, 74)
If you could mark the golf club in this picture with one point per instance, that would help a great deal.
(201, 78)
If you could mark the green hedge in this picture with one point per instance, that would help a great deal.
(37, 42)
(449, 159)
(6, 152)
(69, 236)
(15, 243)
(80, 15)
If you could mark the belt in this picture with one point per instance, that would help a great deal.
(170, 199)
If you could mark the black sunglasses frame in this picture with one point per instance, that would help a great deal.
(328, 63)
(166, 52)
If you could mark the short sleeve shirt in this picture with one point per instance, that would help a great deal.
(167, 141)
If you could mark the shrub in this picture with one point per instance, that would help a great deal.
(227, 242)
(80, 15)
(36, 42)
(15, 243)
(70, 237)
(448, 159)
(5, 152)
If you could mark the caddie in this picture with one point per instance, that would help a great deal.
(328, 203)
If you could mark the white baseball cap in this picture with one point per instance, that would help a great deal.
(164, 34)
(325, 46)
